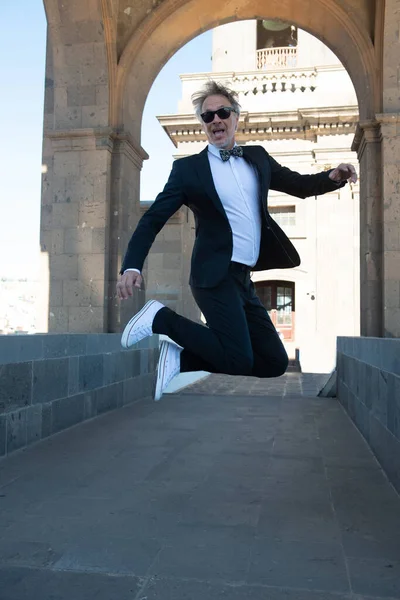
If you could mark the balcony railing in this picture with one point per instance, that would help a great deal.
(269, 58)
(304, 80)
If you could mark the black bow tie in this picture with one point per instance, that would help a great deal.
(236, 151)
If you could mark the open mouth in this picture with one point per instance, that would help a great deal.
(218, 133)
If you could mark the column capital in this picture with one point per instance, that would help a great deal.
(104, 138)
(367, 132)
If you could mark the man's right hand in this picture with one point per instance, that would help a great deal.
(127, 282)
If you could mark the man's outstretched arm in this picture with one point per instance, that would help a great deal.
(293, 183)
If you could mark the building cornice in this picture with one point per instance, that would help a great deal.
(300, 124)
(229, 75)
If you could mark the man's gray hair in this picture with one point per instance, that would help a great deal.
(213, 88)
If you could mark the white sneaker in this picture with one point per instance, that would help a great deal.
(165, 338)
(169, 365)
(140, 326)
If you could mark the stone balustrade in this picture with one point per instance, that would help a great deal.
(285, 81)
(267, 58)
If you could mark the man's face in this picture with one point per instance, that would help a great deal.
(220, 132)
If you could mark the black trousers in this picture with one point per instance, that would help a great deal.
(239, 338)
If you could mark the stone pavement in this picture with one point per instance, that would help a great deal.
(232, 489)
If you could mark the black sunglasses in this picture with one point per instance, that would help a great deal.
(223, 113)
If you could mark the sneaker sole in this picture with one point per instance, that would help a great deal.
(160, 372)
(131, 324)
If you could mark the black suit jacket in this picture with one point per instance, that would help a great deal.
(190, 183)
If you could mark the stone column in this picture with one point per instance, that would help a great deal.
(89, 211)
(390, 127)
(75, 227)
(127, 161)
(367, 143)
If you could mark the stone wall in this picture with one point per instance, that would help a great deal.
(368, 371)
(51, 382)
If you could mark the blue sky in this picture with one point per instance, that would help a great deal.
(22, 67)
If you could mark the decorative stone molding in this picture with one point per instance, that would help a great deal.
(92, 139)
(390, 124)
(367, 132)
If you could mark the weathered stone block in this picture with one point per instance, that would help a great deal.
(73, 375)
(148, 385)
(53, 241)
(69, 118)
(47, 419)
(49, 101)
(76, 293)
(372, 383)
(172, 261)
(392, 294)
(362, 416)
(90, 405)
(393, 404)
(379, 403)
(99, 240)
(84, 95)
(60, 96)
(131, 391)
(91, 265)
(95, 116)
(92, 213)
(58, 319)
(64, 266)
(66, 164)
(91, 372)
(33, 424)
(392, 236)
(362, 384)
(65, 214)
(86, 319)
(102, 95)
(109, 398)
(15, 385)
(78, 240)
(16, 430)
(50, 379)
(97, 292)
(392, 322)
(76, 344)
(56, 294)
(55, 346)
(392, 257)
(20, 348)
(67, 412)
(144, 362)
(112, 368)
(131, 360)
(3, 434)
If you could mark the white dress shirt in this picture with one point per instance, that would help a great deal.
(237, 186)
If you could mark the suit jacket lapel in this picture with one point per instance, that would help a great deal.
(204, 172)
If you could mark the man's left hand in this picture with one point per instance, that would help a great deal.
(344, 172)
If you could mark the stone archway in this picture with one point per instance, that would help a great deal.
(136, 43)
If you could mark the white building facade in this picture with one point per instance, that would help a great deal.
(299, 103)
